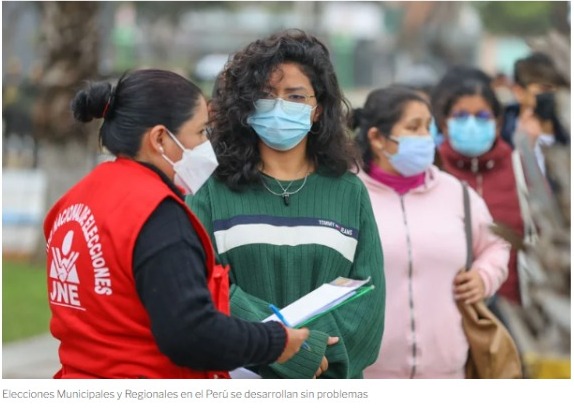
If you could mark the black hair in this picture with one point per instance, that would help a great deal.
(458, 82)
(216, 90)
(383, 109)
(424, 90)
(140, 100)
(536, 68)
(243, 79)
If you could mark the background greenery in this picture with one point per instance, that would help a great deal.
(25, 310)
(523, 17)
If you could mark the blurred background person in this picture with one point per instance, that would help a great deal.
(502, 85)
(536, 80)
(469, 115)
(420, 215)
(426, 91)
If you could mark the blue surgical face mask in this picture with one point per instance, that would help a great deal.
(414, 156)
(471, 136)
(281, 124)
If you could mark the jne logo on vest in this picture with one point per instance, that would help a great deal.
(63, 271)
(79, 251)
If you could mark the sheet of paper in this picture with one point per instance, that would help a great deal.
(243, 373)
(319, 300)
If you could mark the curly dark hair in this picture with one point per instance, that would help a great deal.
(243, 79)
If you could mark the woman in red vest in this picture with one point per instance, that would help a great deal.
(133, 285)
(468, 114)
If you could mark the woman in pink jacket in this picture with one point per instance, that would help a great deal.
(420, 216)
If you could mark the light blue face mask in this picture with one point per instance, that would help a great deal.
(414, 156)
(471, 136)
(281, 124)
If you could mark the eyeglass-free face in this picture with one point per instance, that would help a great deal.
(526, 96)
(414, 122)
(537, 88)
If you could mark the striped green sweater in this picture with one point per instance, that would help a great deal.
(279, 253)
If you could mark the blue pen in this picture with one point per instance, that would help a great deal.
(284, 321)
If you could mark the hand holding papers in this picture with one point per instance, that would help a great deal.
(322, 300)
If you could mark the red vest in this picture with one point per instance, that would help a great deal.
(492, 176)
(103, 328)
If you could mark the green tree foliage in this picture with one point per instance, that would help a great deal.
(522, 17)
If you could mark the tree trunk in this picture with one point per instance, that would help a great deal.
(70, 43)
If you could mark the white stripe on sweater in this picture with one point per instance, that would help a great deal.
(250, 234)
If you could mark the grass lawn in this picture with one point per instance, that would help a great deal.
(25, 310)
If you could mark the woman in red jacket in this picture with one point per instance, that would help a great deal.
(468, 115)
(133, 285)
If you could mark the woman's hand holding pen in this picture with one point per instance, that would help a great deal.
(324, 362)
(295, 339)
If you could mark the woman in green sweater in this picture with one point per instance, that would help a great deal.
(284, 210)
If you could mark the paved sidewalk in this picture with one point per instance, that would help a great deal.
(35, 358)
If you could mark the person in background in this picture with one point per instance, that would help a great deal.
(436, 96)
(283, 208)
(536, 79)
(468, 115)
(134, 290)
(426, 91)
(502, 86)
(420, 215)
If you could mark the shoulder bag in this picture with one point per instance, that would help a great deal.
(492, 351)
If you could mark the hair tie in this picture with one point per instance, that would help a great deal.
(106, 109)
(108, 103)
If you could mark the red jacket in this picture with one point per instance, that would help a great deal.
(492, 176)
(103, 327)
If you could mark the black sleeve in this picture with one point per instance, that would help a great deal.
(170, 276)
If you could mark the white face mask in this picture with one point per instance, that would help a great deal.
(195, 166)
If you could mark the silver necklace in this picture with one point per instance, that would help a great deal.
(285, 194)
